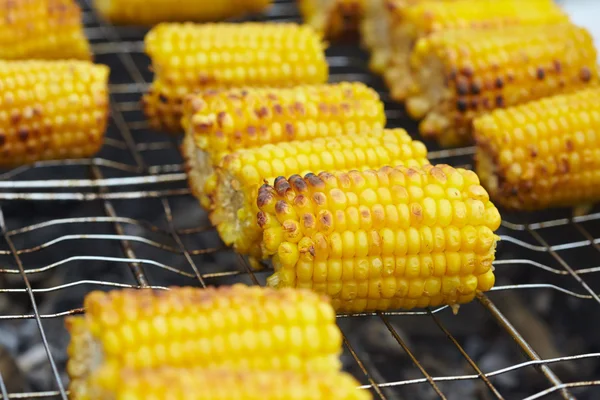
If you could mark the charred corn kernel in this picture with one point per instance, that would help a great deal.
(425, 17)
(224, 384)
(541, 154)
(334, 18)
(408, 260)
(241, 174)
(42, 29)
(238, 328)
(221, 122)
(51, 110)
(150, 12)
(462, 75)
(188, 58)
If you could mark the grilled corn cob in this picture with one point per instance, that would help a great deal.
(240, 175)
(542, 154)
(462, 75)
(220, 122)
(333, 18)
(377, 240)
(189, 58)
(425, 17)
(236, 328)
(42, 29)
(150, 12)
(221, 384)
(51, 110)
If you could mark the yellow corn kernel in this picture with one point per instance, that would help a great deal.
(189, 58)
(236, 327)
(221, 122)
(558, 165)
(241, 173)
(410, 260)
(333, 18)
(225, 384)
(150, 12)
(462, 75)
(42, 29)
(418, 20)
(51, 110)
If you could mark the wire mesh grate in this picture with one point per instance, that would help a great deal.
(126, 219)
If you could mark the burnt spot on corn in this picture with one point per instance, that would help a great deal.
(221, 116)
(474, 103)
(499, 83)
(289, 129)
(467, 71)
(557, 66)
(326, 220)
(585, 74)
(163, 98)
(15, 116)
(533, 151)
(314, 181)
(461, 105)
(251, 130)
(308, 221)
(2, 138)
(319, 198)
(262, 112)
(300, 108)
(278, 109)
(298, 183)
(262, 219)
(462, 87)
(475, 88)
(499, 101)
(540, 73)
(23, 134)
(485, 102)
(569, 145)
(282, 186)
(300, 201)
(264, 197)
(281, 207)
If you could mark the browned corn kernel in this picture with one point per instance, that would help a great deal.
(42, 29)
(425, 17)
(225, 384)
(334, 18)
(189, 58)
(241, 174)
(542, 154)
(51, 110)
(220, 122)
(385, 239)
(150, 12)
(237, 328)
(462, 75)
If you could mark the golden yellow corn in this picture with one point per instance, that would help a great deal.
(220, 122)
(42, 29)
(461, 75)
(188, 58)
(51, 110)
(240, 175)
(333, 18)
(150, 12)
(223, 384)
(236, 328)
(385, 239)
(542, 154)
(416, 21)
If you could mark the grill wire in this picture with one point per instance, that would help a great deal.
(139, 174)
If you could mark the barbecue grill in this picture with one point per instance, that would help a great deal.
(125, 218)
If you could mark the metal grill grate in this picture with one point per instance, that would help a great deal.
(130, 209)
